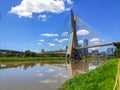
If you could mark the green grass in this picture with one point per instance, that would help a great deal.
(102, 78)
(31, 58)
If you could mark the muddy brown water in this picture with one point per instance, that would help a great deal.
(36, 75)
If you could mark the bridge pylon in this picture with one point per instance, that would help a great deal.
(73, 42)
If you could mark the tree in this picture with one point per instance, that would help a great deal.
(29, 53)
(117, 53)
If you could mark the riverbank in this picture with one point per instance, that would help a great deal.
(102, 78)
(31, 58)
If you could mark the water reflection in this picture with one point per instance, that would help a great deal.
(78, 67)
(34, 75)
(16, 64)
(27, 64)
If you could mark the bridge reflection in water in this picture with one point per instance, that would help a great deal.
(78, 67)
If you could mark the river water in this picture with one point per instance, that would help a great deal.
(34, 75)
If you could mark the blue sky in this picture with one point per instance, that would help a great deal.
(45, 24)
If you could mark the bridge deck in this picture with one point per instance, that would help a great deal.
(100, 45)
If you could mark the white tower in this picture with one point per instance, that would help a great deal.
(73, 42)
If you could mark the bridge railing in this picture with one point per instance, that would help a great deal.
(117, 82)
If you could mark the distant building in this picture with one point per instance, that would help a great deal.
(85, 49)
(103, 53)
(66, 47)
(81, 50)
(2, 51)
(94, 52)
(110, 51)
(42, 51)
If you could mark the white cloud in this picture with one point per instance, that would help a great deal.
(97, 42)
(51, 44)
(65, 34)
(83, 32)
(48, 81)
(94, 40)
(27, 7)
(61, 40)
(68, 9)
(49, 34)
(41, 40)
(70, 1)
(80, 41)
(42, 17)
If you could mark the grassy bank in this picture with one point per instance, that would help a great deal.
(31, 58)
(102, 78)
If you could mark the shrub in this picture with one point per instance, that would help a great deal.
(117, 53)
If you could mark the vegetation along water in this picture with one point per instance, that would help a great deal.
(102, 78)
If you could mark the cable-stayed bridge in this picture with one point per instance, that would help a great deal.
(74, 50)
(73, 47)
(116, 44)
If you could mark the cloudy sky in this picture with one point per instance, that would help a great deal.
(38, 24)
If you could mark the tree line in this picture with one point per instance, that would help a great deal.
(29, 53)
